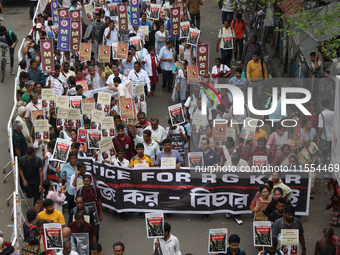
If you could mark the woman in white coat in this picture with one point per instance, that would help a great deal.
(151, 63)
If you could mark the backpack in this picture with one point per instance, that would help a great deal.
(80, 191)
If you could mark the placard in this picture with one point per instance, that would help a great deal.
(54, 12)
(220, 131)
(262, 233)
(36, 113)
(168, 162)
(134, 13)
(96, 116)
(198, 123)
(141, 165)
(61, 102)
(228, 42)
(63, 13)
(73, 118)
(175, 19)
(85, 51)
(290, 241)
(203, 59)
(106, 148)
(154, 11)
(145, 30)
(89, 10)
(195, 159)
(104, 102)
(93, 138)
(136, 41)
(247, 131)
(64, 32)
(139, 90)
(62, 117)
(217, 240)
(192, 74)
(194, 35)
(53, 236)
(259, 215)
(122, 17)
(83, 84)
(61, 150)
(86, 107)
(114, 50)
(181, 53)
(154, 225)
(84, 240)
(75, 15)
(75, 102)
(47, 59)
(127, 108)
(41, 129)
(47, 97)
(184, 29)
(122, 50)
(112, 7)
(231, 132)
(76, 33)
(104, 54)
(260, 161)
(82, 135)
(176, 114)
(107, 126)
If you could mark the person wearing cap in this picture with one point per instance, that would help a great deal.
(289, 221)
(20, 117)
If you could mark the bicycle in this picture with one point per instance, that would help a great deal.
(4, 49)
(258, 19)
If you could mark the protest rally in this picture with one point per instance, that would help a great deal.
(202, 124)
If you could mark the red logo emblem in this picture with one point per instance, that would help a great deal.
(46, 45)
(75, 14)
(174, 12)
(74, 25)
(134, 2)
(55, 6)
(63, 13)
(64, 23)
(203, 49)
(122, 8)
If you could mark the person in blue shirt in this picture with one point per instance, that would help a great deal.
(67, 171)
(239, 81)
(233, 249)
(144, 22)
(167, 56)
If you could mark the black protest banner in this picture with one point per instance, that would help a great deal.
(187, 191)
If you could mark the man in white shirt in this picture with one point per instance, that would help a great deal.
(167, 245)
(111, 34)
(32, 106)
(116, 73)
(151, 148)
(67, 249)
(76, 181)
(138, 77)
(57, 82)
(121, 88)
(158, 133)
(120, 160)
(325, 125)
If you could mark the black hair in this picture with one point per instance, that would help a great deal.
(312, 54)
(147, 132)
(262, 139)
(117, 117)
(238, 70)
(48, 202)
(46, 184)
(279, 190)
(167, 227)
(234, 239)
(270, 184)
(262, 187)
(80, 165)
(23, 74)
(120, 149)
(139, 145)
(119, 244)
(119, 126)
(221, 107)
(30, 151)
(53, 136)
(32, 61)
(96, 247)
(31, 214)
(51, 144)
(281, 200)
(117, 79)
(22, 64)
(289, 209)
(325, 103)
(78, 216)
(231, 140)
(72, 80)
(165, 141)
(87, 121)
(79, 87)
(75, 145)
(255, 53)
(73, 153)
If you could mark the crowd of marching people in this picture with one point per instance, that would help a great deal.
(143, 139)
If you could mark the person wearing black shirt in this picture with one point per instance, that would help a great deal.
(11, 40)
(280, 207)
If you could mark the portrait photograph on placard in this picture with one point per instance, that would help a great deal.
(195, 159)
(136, 41)
(114, 50)
(53, 236)
(93, 137)
(262, 233)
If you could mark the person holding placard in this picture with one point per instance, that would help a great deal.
(123, 92)
(272, 250)
(178, 137)
(167, 243)
(51, 214)
(167, 56)
(80, 226)
(57, 82)
(93, 79)
(141, 158)
(158, 133)
(233, 249)
(167, 152)
(226, 53)
(259, 150)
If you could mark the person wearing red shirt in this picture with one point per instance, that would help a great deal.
(81, 226)
(260, 150)
(240, 29)
(79, 75)
(122, 140)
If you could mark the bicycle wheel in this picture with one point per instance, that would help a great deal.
(3, 70)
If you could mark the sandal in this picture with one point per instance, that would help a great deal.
(334, 223)
(12, 73)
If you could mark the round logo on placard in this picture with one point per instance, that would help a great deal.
(46, 45)
(63, 13)
(55, 6)
(203, 50)
(175, 12)
(134, 2)
(122, 8)
(75, 15)
(64, 23)
(74, 25)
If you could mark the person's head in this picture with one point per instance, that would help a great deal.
(218, 61)
(87, 124)
(265, 191)
(137, 66)
(47, 185)
(66, 233)
(120, 130)
(168, 44)
(23, 76)
(230, 143)
(306, 141)
(79, 74)
(66, 247)
(238, 72)
(29, 85)
(143, 16)
(142, 118)
(280, 129)
(147, 135)
(312, 107)
(23, 64)
(92, 71)
(234, 241)
(167, 228)
(220, 108)
(120, 153)
(328, 233)
(81, 168)
(312, 56)
(38, 87)
(285, 150)
(325, 104)
(235, 158)
(73, 157)
(66, 65)
(261, 143)
(79, 219)
(48, 205)
(167, 145)
(208, 130)
(256, 56)
(118, 248)
(79, 89)
(154, 123)
(280, 205)
(96, 249)
(132, 49)
(115, 71)
(293, 161)
(87, 179)
(289, 213)
(226, 24)
(22, 111)
(98, 17)
(278, 192)
(275, 177)
(253, 39)
(74, 135)
(31, 215)
(269, 184)
(117, 120)
(307, 123)
(199, 102)
(80, 202)
(17, 126)
(30, 153)
(204, 144)
(152, 51)
(238, 16)
(272, 249)
(34, 98)
(117, 81)
(140, 150)
(161, 28)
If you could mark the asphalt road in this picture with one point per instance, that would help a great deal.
(191, 230)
